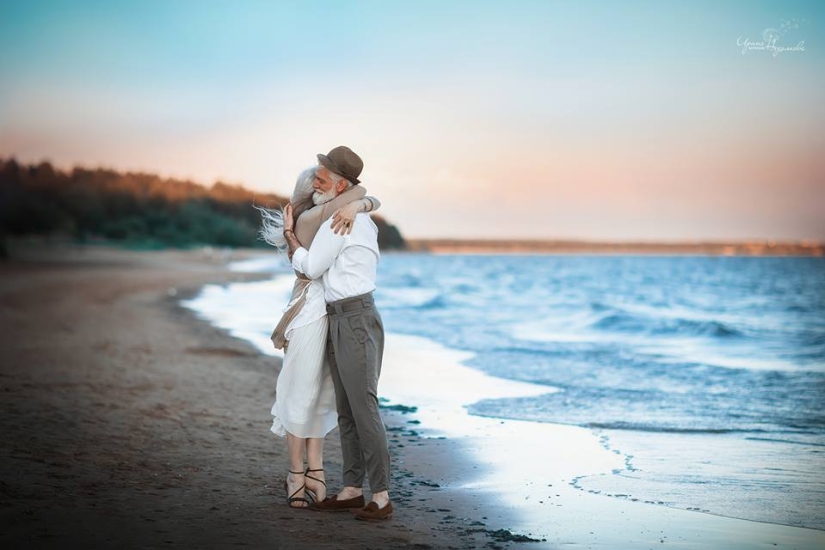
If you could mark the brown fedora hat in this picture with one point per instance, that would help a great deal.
(344, 162)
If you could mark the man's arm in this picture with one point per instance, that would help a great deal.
(319, 258)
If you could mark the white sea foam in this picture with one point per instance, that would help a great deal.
(272, 263)
(246, 310)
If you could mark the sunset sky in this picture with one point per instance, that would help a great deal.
(587, 120)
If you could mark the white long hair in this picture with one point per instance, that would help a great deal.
(272, 219)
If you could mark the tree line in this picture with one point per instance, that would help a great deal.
(137, 209)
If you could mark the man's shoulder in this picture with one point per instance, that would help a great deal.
(365, 220)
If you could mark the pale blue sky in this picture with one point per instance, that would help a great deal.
(608, 120)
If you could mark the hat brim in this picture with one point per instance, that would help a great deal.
(326, 161)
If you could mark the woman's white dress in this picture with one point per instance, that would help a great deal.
(304, 395)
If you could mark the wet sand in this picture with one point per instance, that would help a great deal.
(129, 423)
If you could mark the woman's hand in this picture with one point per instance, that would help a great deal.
(343, 217)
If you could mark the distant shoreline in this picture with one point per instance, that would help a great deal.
(713, 248)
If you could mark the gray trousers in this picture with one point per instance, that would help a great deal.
(355, 347)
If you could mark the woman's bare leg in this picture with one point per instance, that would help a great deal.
(294, 481)
(315, 463)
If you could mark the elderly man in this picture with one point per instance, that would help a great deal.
(347, 265)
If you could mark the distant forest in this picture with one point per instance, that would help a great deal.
(136, 209)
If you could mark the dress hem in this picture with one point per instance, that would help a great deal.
(279, 429)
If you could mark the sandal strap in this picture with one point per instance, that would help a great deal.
(321, 481)
(292, 498)
(298, 490)
(303, 486)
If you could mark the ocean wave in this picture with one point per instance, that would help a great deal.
(601, 321)
(622, 321)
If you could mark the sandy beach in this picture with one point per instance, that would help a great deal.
(130, 423)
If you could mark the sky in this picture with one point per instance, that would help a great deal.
(649, 120)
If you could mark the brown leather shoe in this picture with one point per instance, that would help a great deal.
(332, 504)
(371, 512)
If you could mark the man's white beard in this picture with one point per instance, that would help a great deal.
(320, 198)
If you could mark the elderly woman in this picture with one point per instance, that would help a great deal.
(304, 410)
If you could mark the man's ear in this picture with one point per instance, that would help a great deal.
(341, 187)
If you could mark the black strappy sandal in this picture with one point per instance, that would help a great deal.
(309, 491)
(292, 498)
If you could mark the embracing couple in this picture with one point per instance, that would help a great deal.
(332, 337)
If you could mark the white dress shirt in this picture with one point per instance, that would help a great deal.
(346, 264)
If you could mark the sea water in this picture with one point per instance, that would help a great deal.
(703, 376)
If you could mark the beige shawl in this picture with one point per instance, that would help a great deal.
(306, 226)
